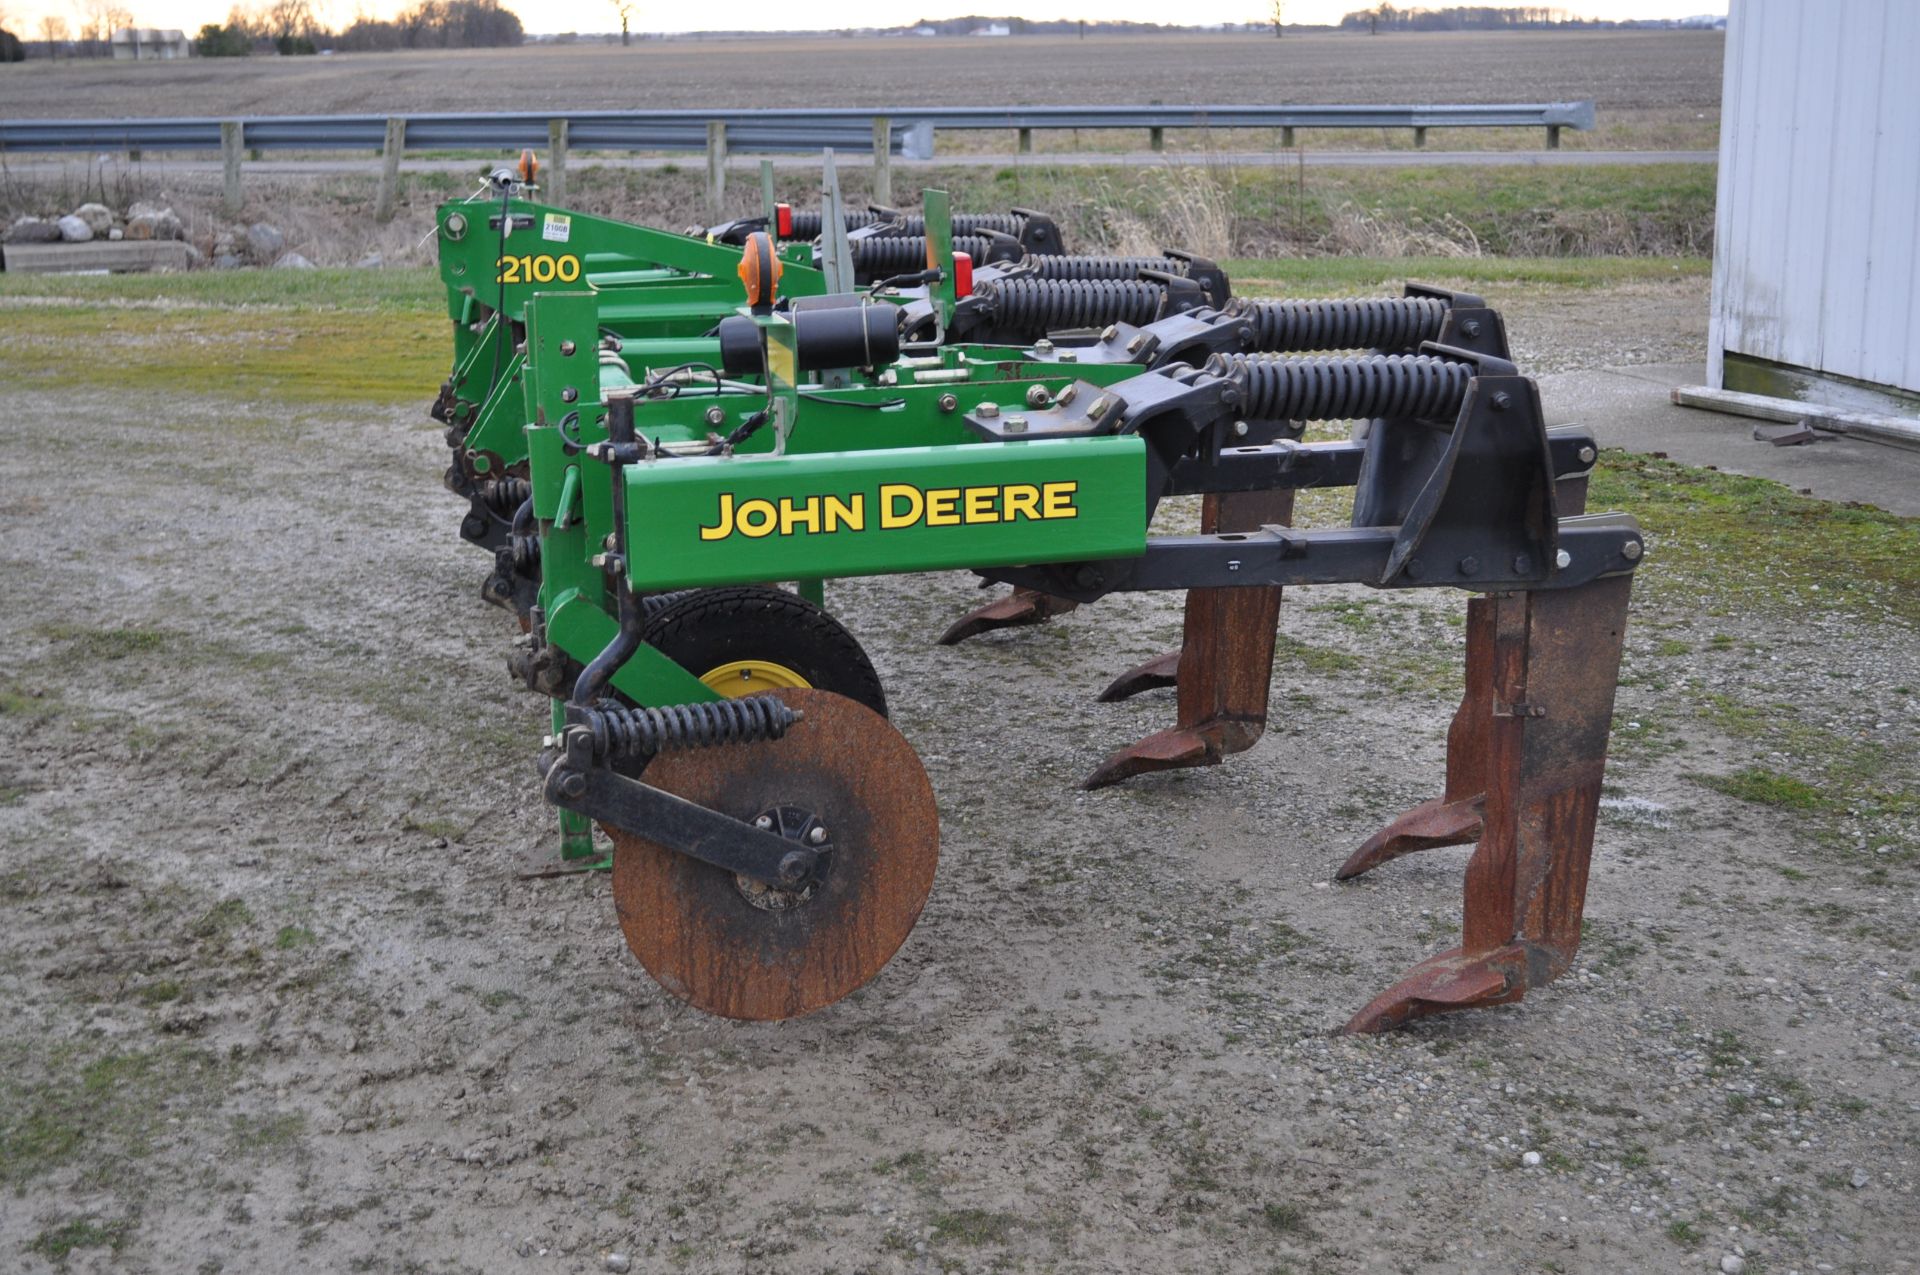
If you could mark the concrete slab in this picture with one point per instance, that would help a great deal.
(1628, 407)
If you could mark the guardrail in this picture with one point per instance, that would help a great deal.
(904, 131)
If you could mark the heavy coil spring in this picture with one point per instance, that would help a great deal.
(884, 258)
(1036, 307)
(504, 496)
(806, 225)
(1400, 386)
(620, 731)
(1358, 323)
(1102, 267)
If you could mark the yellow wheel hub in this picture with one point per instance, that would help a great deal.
(747, 677)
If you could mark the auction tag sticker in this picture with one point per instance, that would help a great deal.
(558, 228)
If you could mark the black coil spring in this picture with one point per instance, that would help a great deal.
(1356, 323)
(1401, 386)
(1101, 267)
(504, 496)
(905, 254)
(806, 225)
(620, 731)
(1035, 307)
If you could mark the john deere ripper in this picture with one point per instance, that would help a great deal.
(775, 837)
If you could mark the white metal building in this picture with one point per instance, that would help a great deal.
(149, 44)
(1816, 264)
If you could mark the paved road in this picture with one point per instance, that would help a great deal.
(52, 166)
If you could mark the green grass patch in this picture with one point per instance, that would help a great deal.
(974, 1226)
(1768, 788)
(1327, 275)
(60, 1107)
(293, 937)
(1720, 544)
(61, 1241)
(106, 644)
(378, 291)
(319, 356)
(1285, 1218)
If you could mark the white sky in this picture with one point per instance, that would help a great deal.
(598, 15)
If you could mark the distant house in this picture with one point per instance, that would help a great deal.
(993, 28)
(149, 44)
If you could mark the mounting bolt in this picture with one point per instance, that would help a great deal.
(566, 349)
(1469, 566)
(1069, 356)
(1563, 560)
(1502, 401)
(1240, 429)
(793, 867)
(818, 836)
(1067, 395)
(1109, 332)
(1471, 327)
(1632, 550)
(716, 416)
(1415, 568)
(948, 402)
(1139, 341)
(573, 784)
(1099, 408)
(1016, 425)
(1522, 564)
(1043, 346)
(1586, 455)
(1037, 396)
(764, 822)
(987, 410)
(569, 395)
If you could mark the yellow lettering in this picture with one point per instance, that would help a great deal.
(849, 514)
(1020, 499)
(724, 528)
(756, 518)
(807, 514)
(890, 514)
(980, 504)
(942, 504)
(1056, 500)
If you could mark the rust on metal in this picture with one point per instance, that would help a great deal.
(1020, 608)
(1557, 652)
(1224, 668)
(735, 948)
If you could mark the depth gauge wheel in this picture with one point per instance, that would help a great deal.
(746, 638)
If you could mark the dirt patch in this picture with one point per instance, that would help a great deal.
(276, 996)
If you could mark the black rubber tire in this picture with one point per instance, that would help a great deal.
(711, 627)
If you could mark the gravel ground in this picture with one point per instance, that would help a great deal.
(277, 996)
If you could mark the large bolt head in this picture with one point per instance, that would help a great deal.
(817, 836)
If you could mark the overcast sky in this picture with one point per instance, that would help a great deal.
(598, 15)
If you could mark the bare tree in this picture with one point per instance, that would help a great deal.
(289, 19)
(53, 29)
(1278, 16)
(625, 9)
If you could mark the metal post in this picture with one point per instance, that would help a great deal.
(1286, 138)
(716, 167)
(1419, 136)
(1026, 141)
(396, 142)
(1157, 139)
(230, 147)
(556, 183)
(1553, 137)
(882, 160)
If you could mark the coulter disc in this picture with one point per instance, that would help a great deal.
(732, 946)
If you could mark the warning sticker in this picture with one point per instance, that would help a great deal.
(558, 228)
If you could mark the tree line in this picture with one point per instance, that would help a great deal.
(287, 27)
(290, 27)
(1386, 17)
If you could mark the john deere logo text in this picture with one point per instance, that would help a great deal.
(894, 506)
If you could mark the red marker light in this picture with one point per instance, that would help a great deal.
(783, 220)
(962, 274)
